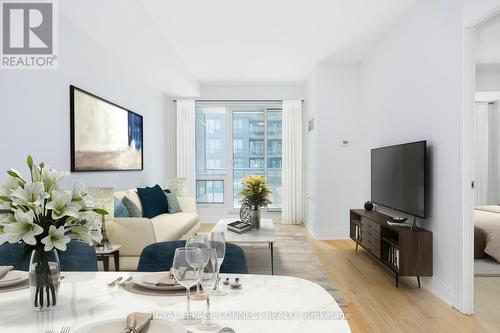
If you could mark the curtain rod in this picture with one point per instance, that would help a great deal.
(239, 100)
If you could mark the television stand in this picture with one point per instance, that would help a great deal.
(404, 251)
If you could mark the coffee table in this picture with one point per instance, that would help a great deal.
(265, 234)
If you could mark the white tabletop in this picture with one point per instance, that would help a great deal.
(287, 303)
(266, 232)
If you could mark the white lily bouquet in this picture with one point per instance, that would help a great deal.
(45, 217)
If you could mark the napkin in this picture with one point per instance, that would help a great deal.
(136, 321)
(160, 279)
(4, 270)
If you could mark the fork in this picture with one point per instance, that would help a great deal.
(114, 282)
(65, 329)
(124, 283)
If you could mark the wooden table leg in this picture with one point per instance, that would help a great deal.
(116, 256)
(105, 262)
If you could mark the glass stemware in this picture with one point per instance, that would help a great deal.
(218, 242)
(187, 268)
(208, 281)
(198, 241)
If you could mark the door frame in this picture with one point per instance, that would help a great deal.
(465, 267)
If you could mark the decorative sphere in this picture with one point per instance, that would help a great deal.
(369, 206)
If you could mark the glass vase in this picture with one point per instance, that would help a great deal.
(255, 217)
(44, 279)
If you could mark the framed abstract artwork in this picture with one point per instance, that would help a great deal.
(104, 136)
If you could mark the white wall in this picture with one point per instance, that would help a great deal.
(35, 111)
(335, 173)
(408, 88)
(488, 77)
(412, 94)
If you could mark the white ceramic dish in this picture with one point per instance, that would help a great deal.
(13, 277)
(138, 279)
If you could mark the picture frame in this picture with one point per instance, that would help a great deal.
(104, 136)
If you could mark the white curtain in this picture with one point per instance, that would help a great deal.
(292, 191)
(481, 140)
(186, 144)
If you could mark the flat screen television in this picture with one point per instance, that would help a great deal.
(398, 177)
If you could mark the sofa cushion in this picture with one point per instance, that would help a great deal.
(153, 199)
(134, 197)
(173, 226)
(173, 203)
(120, 209)
(133, 210)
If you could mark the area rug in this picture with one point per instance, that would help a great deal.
(486, 267)
(293, 256)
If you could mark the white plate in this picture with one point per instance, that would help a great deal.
(138, 279)
(117, 325)
(13, 277)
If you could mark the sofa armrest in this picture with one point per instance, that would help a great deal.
(133, 233)
(188, 204)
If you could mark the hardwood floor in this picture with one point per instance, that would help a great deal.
(376, 305)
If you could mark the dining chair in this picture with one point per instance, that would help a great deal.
(79, 256)
(159, 257)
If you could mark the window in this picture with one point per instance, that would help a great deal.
(213, 163)
(238, 126)
(256, 163)
(238, 163)
(253, 131)
(213, 125)
(257, 127)
(211, 153)
(238, 146)
(274, 154)
(214, 146)
(274, 163)
(256, 147)
(210, 191)
(274, 148)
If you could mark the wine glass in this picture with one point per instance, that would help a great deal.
(199, 241)
(186, 269)
(208, 281)
(218, 242)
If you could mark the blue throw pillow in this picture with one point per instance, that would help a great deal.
(133, 210)
(173, 203)
(154, 202)
(120, 209)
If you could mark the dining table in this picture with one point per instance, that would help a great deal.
(264, 303)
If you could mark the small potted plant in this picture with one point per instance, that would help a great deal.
(255, 195)
(44, 216)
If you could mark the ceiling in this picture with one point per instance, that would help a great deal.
(488, 42)
(270, 41)
(126, 32)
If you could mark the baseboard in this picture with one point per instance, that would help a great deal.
(328, 234)
(439, 289)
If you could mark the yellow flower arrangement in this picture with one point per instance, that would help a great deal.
(255, 191)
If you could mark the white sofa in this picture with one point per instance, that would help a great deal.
(135, 233)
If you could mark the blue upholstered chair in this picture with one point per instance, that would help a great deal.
(79, 256)
(160, 256)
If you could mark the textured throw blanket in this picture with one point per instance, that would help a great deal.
(487, 218)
